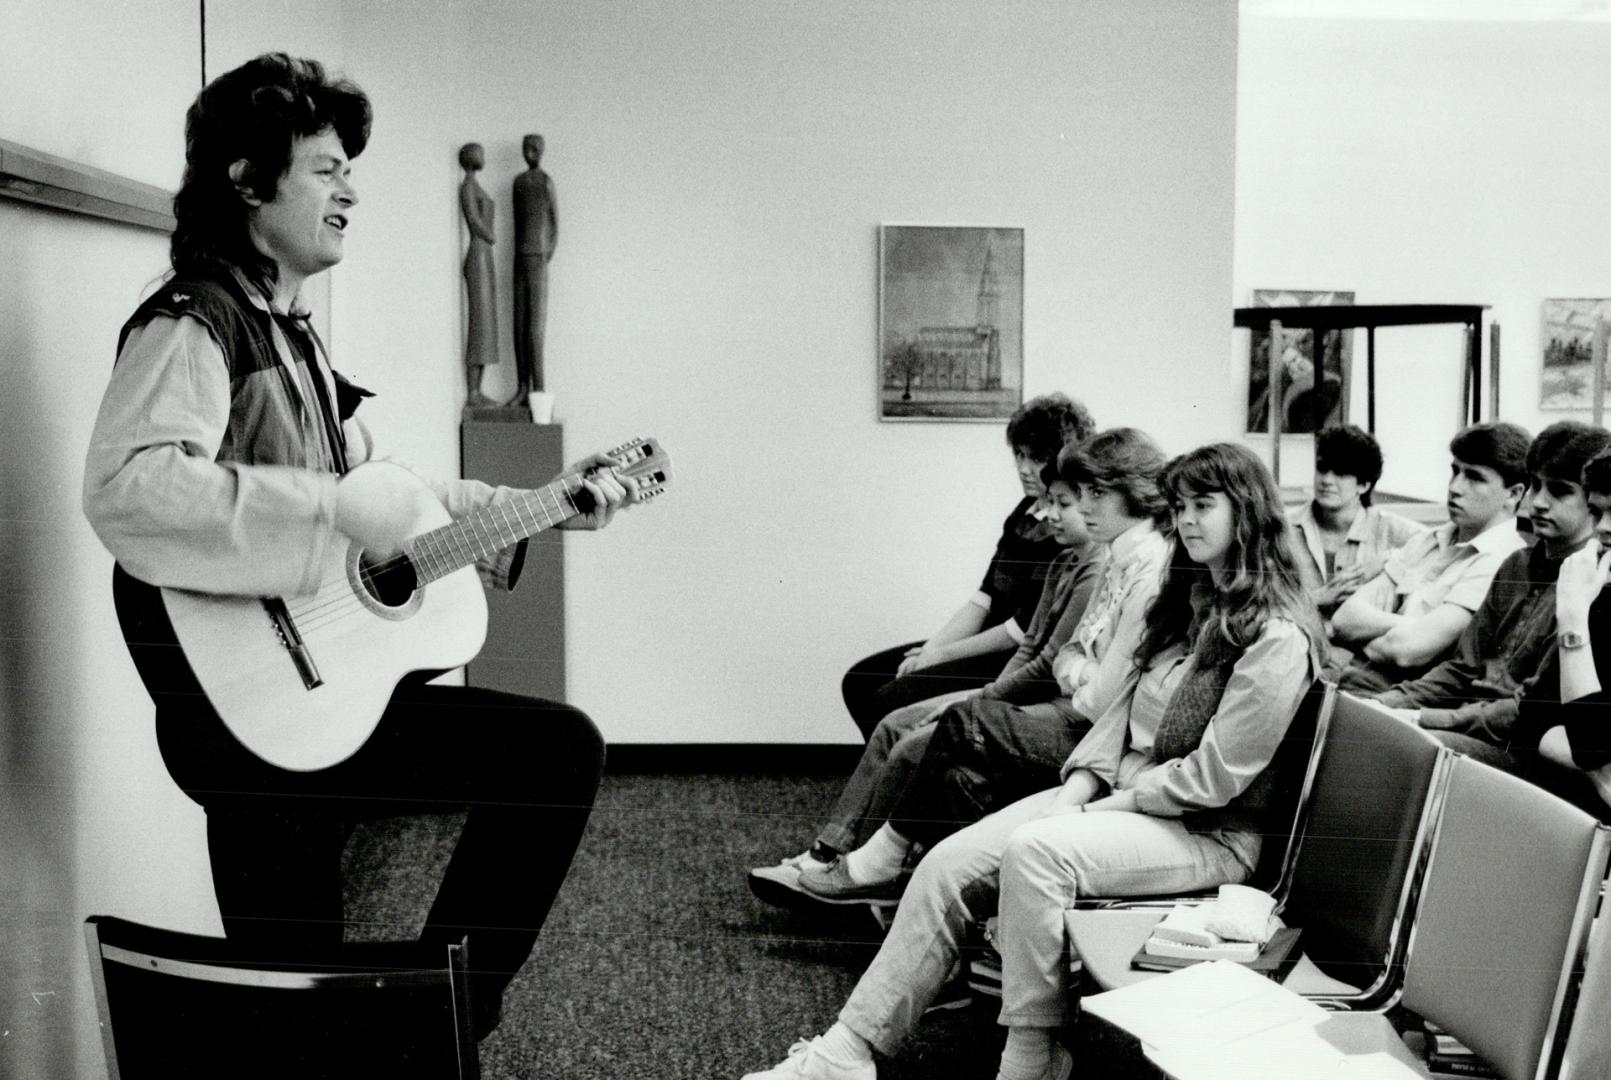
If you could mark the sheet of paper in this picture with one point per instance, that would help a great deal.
(1201, 1007)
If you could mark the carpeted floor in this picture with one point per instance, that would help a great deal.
(657, 963)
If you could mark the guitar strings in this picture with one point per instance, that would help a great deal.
(335, 598)
(318, 610)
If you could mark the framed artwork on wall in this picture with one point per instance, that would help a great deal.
(1566, 375)
(950, 322)
(1311, 393)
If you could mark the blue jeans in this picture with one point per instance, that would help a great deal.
(893, 752)
(1031, 867)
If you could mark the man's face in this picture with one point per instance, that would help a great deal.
(302, 227)
(1600, 511)
(1477, 496)
(1560, 510)
(1028, 470)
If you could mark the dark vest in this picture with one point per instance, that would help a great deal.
(270, 420)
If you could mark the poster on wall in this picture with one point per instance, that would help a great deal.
(950, 322)
(1311, 393)
(1566, 376)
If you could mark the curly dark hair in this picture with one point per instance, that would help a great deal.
(1348, 450)
(1263, 566)
(1562, 450)
(1042, 425)
(253, 114)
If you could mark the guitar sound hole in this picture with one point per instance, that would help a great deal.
(390, 582)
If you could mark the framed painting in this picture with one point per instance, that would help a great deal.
(1311, 392)
(950, 322)
(1566, 375)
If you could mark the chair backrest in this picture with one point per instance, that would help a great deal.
(178, 1005)
(1588, 1044)
(1296, 763)
(1363, 844)
(1504, 915)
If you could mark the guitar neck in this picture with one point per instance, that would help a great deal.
(440, 552)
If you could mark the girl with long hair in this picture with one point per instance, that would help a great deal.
(1167, 793)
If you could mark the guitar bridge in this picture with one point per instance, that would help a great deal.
(301, 658)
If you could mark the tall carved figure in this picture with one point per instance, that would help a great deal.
(536, 237)
(481, 333)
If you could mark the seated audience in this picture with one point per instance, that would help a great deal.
(1562, 736)
(897, 742)
(1409, 616)
(970, 649)
(1166, 793)
(1343, 541)
(986, 752)
(1470, 700)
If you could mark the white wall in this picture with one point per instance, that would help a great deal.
(721, 172)
(86, 808)
(1425, 161)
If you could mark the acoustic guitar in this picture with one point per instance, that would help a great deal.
(302, 680)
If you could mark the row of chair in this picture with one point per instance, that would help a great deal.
(1426, 885)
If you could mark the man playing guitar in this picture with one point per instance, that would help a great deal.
(216, 467)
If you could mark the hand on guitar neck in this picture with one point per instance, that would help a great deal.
(382, 515)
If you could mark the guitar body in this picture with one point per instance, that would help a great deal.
(359, 645)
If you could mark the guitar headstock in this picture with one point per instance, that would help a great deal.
(644, 461)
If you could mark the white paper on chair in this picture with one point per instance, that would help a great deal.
(1201, 1007)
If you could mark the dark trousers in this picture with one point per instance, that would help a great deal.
(872, 690)
(984, 755)
(526, 771)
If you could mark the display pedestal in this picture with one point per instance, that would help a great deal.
(525, 649)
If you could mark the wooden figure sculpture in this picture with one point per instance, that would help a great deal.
(481, 332)
(536, 236)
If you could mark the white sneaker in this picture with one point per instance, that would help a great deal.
(780, 885)
(807, 1062)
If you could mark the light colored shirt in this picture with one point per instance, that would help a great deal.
(1433, 569)
(1261, 697)
(173, 513)
(1093, 666)
(1372, 537)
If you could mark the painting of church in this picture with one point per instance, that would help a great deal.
(951, 309)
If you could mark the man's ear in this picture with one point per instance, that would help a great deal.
(1518, 492)
(240, 174)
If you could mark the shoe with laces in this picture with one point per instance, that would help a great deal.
(780, 885)
(806, 1061)
(833, 885)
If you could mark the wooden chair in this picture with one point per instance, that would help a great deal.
(176, 1005)
(1353, 869)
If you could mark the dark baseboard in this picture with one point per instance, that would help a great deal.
(732, 757)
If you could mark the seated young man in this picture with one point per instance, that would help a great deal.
(970, 649)
(1562, 736)
(1470, 700)
(1409, 616)
(1342, 540)
(897, 743)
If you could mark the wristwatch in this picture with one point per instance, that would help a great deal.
(1572, 639)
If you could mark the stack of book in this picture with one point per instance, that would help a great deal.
(1183, 938)
(1448, 1056)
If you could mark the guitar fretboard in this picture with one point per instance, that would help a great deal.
(480, 535)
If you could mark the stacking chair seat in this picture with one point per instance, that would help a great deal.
(1353, 873)
(176, 1006)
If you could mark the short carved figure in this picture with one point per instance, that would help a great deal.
(481, 341)
(536, 236)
